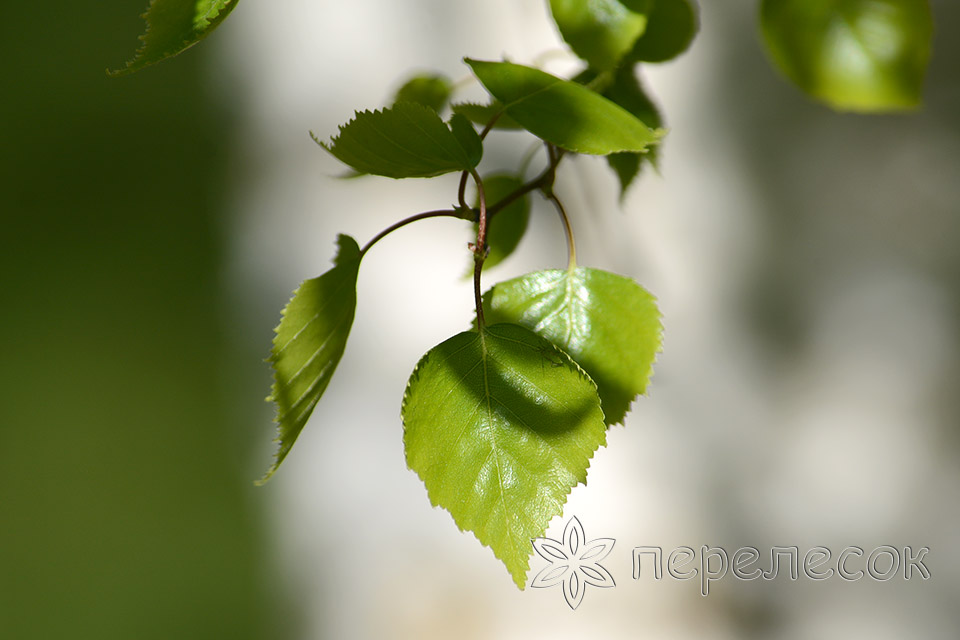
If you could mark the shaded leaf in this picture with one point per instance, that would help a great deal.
(601, 31)
(671, 27)
(607, 323)
(627, 92)
(500, 425)
(563, 112)
(309, 343)
(407, 140)
(504, 230)
(173, 26)
(482, 114)
(430, 90)
(856, 55)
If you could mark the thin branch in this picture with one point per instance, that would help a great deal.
(568, 230)
(479, 250)
(442, 213)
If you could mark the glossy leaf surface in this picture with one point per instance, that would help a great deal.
(407, 140)
(856, 55)
(500, 426)
(563, 112)
(608, 324)
(601, 31)
(175, 25)
(309, 343)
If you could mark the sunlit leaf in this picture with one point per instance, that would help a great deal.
(500, 425)
(601, 31)
(430, 90)
(854, 55)
(407, 140)
(563, 112)
(309, 343)
(507, 227)
(608, 324)
(175, 25)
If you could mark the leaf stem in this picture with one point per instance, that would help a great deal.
(568, 230)
(440, 213)
(479, 250)
(544, 182)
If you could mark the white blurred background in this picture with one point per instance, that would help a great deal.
(807, 267)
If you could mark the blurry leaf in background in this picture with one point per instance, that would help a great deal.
(854, 55)
(430, 90)
(500, 426)
(176, 25)
(309, 343)
(128, 509)
(671, 27)
(563, 112)
(601, 31)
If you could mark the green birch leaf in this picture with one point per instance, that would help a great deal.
(671, 27)
(563, 112)
(500, 425)
(608, 324)
(309, 343)
(430, 90)
(601, 31)
(407, 140)
(506, 229)
(173, 26)
(854, 55)
(482, 114)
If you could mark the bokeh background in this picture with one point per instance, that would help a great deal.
(806, 263)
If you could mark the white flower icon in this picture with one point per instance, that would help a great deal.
(574, 563)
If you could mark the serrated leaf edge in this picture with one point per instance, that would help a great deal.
(212, 22)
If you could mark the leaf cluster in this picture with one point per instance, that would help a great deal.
(501, 420)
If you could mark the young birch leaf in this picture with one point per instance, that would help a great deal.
(309, 343)
(854, 55)
(506, 229)
(407, 140)
(563, 112)
(429, 90)
(671, 27)
(608, 324)
(500, 425)
(173, 26)
(601, 31)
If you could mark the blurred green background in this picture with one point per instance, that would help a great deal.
(126, 504)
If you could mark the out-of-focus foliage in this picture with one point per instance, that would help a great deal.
(855, 55)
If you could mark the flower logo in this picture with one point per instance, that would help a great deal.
(574, 563)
